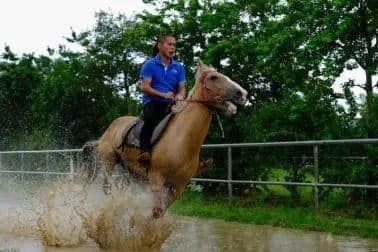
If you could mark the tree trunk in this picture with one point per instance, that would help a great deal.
(126, 82)
(369, 105)
(372, 195)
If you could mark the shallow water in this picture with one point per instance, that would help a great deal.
(216, 235)
(21, 216)
(191, 234)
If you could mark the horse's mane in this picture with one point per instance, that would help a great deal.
(194, 93)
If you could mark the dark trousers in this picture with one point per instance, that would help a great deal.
(153, 113)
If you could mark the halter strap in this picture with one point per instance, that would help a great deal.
(203, 86)
(203, 83)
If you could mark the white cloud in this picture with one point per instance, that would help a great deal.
(359, 77)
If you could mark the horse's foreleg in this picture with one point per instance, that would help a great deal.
(157, 188)
(174, 193)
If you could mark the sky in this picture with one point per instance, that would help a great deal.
(32, 25)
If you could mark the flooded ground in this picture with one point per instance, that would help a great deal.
(174, 233)
(216, 235)
(193, 234)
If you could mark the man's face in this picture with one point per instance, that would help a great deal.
(168, 47)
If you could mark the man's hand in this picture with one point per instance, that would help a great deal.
(170, 95)
(179, 97)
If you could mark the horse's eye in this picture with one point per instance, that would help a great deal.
(214, 77)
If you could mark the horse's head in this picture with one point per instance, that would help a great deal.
(217, 90)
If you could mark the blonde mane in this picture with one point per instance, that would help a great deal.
(194, 93)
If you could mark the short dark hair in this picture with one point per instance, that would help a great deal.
(161, 40)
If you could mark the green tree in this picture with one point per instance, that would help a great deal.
(321, 38)
(112, 54)
(74, 100)
(18, 79)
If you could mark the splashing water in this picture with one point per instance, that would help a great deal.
(70, 214)
(60, 223)
(120, 224)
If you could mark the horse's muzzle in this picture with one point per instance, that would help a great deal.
(239, 96)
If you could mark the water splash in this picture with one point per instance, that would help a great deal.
(121, 224)
(67, 214)
(60, 222)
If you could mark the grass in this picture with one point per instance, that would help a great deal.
(282, 214)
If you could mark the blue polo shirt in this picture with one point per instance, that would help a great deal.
(162, 79)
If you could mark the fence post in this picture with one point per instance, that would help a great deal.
(229, 166)
(22, 168)
(1, 162)
(316, 174)
(78, 160)
(47, 166)
(71, 167)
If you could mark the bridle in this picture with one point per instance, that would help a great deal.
(205, 87)
(218, 98)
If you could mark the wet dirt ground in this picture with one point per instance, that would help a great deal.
(193, 234)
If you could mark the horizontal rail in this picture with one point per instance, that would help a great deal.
(266, 144)
(36, 172)
(41, 151)
(285, 183)
(230, 181)
(295, 143)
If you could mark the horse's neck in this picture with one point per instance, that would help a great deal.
(191, 127)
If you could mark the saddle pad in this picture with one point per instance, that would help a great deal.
(131, 133)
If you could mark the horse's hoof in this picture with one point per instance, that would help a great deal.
(209, 162)
(204, 164)
(107, 190)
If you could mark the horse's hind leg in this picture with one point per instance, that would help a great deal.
(108, 160)
(89, 163)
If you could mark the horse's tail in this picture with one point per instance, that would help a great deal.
(89, 161)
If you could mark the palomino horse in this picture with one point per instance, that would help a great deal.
(175, 157)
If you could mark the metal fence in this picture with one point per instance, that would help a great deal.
(74, 153)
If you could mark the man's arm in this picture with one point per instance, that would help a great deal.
(181, 91)
(181, 84)
(147, 89)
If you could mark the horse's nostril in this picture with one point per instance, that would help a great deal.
(239, 94)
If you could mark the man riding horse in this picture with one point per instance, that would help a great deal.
(163, 80)
(174, 159)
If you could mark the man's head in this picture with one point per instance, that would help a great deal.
(166, 46)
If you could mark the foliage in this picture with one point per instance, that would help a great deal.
(282, 215)
(287, 54)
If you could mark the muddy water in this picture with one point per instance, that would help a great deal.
(214, 235)
(21, 231)
(192, 234)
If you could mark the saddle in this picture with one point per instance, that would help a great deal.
(131, 133)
